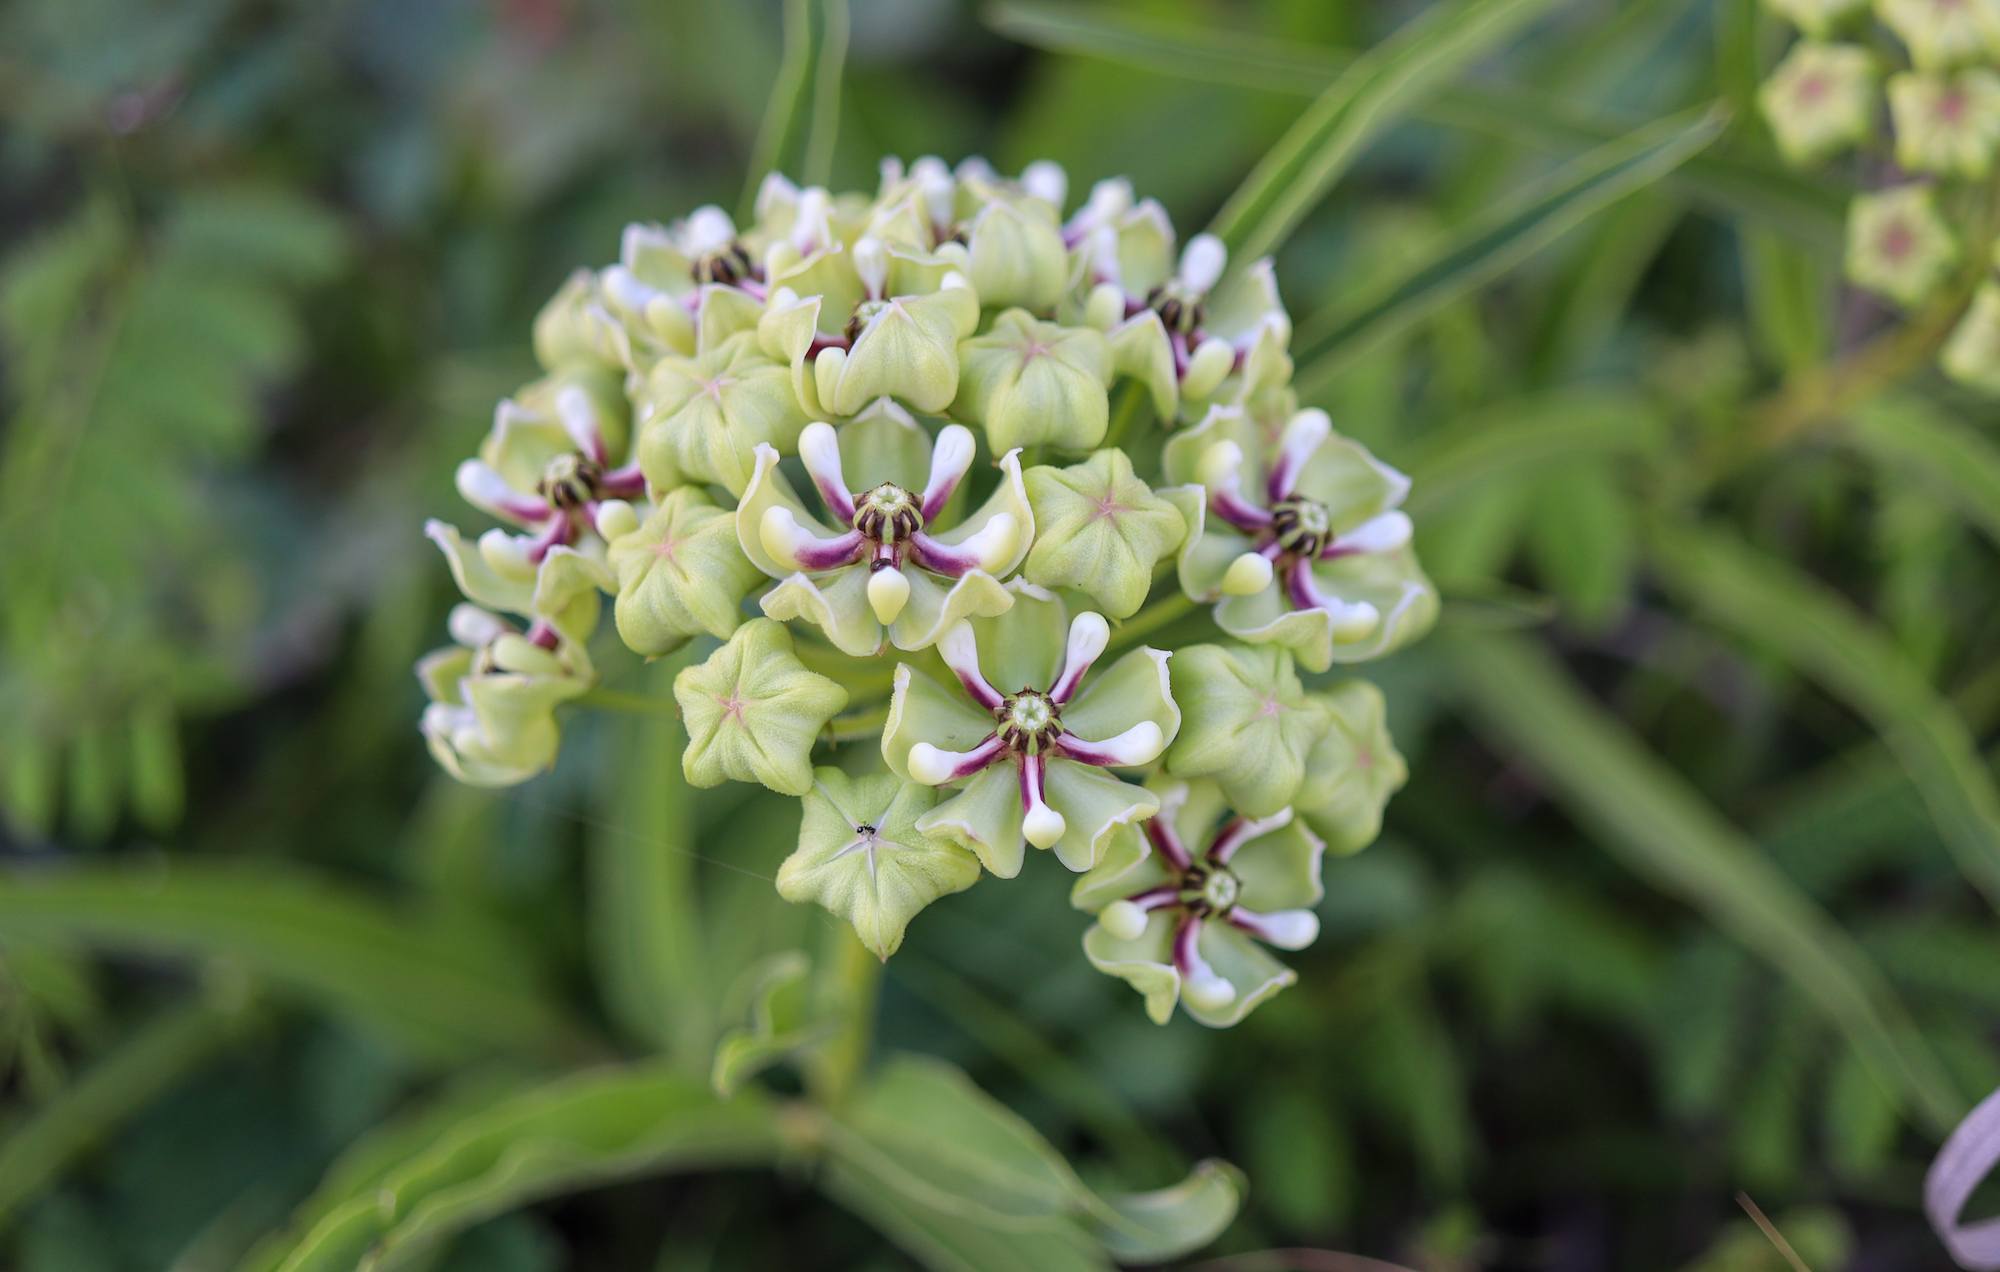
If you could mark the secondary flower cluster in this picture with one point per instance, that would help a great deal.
(909, 423)
(1904, 241)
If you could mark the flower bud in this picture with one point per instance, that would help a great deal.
(1045, 179)
(1820, 100)
(1212, 362)
(1353, 769)
(705, 416)
(1101, 530)
(680, 574)
(1032, 383)
(1017, 256)
(1946, 123)
(1897, 244)
(753, 711)
(1246, 721)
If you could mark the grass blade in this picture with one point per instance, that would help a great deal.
(1814, 629)
(1515, 439)
(323, 940)
(1179, 49)
(1500, 240)
(1374, 92)
(1955, 461)
(1646, 813)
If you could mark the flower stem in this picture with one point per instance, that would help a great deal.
(631, 703)
(1149, 620)
(850, 979)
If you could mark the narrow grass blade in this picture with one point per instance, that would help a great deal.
(1954, 460)
(1180, 49)
(1770, 604)
(1648, 815)
(785, 116)
(1377, 90)
(1500, 240)
(1522, 436)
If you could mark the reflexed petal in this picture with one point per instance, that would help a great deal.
(835, 602)
(769, 488)
(922, 710)
(1353, 484)
(985, 817)
(568, 593)
(1279, 869)
(1136, 687)
(1147, 963)
(936, 603)
(1140, 349)
(1010, 497)
(1023, 648)
(481, 585)
(1392, 582)
(1128, 865)
(1243, 963)
(1094, 805)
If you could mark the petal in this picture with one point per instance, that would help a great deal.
(1140, 349)
(785, 334)
(936, 603)
(885, 443)
(481, 585)
(1243, 963)
(1129, 865)
(1392, 582)
(836, 602)
(1353, 484)
(569, 588)
(1023, 648)
(1145, 963)
(1279, 869)
(769, 488)
(1136, 687)
(985, 817)
(922, 710)
(1094, 806)
(1010, 497)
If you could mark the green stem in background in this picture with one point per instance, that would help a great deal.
(629, 703)
(781, 115)
(825, 129)
(849, 984)
(857, 726)
(1147, 621)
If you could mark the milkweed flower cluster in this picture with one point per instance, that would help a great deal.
(915, 466)
(1938, 77)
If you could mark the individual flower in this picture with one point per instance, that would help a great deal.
(704, 417)
(1352, 770)
(861, 856)
(1179, 903)
(1029, 762)
(1820, 100)
(1165, 327)
(491, 719)
(753, 711)
(893, 567)
(1249, 724)
(681, 572)
(1099, 529)
(1314, 555)
(684, 288)
(574, 330)
(1033, 383)
(1946, 123)
(552, 464)
(563, 592)
(1897, 244)
(1972, 355)
(1818, 18)
(1944, 33)
(1016, 252)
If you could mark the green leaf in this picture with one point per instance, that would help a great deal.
(1373, 93)
(581, 1131)
(443, 993)
(947, 1242)
(134, 1073)
(779, 1024)
(1817, 631)
(1169, 1222)
(1521, 438)
(803, 116)
(1214, 54)
(1955, 461)
(1499, 240)
(1645, 812)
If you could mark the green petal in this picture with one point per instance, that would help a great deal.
(704, 416)
(1243, 963)
(922, 710)
(909, 351)
(1140, 349)
(1209, 549)
(1136, 687)
(1353, 770)
(1279, 870)
(753, 711)
(877, 884)
(884, 443)
(1392, 582)
(1023, 648)
(1245, 301)
(724, 312)
(836, 602)
(1036, 383)
(785, 335)
(569, 589)
(1353, 484)
(1180, 458)
(1095, 805)
(769, 488)
(1100, 529)
(1147, 964)
(1017, 254)
(936, 603)
(680, 573)
(481, 585)
(1247, 722)
(985, 817)
(1129, 865)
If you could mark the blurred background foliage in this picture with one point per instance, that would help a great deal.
(1690, 888)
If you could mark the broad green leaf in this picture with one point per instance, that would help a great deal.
(1169, 1222)
(1522, 437)
(1371, 94)
(302, 932)
(1817, 631)
(582, 1131)
(134, 1073)
(945, 1241)
(1807, 210)
(1497, 241)
(1646, 813)
(1956, 462)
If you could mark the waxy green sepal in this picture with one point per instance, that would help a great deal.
(753, 711)
(1248, 722)
(861, 856)
(1100, 530)
(704, 417)
(681, 573)
(1352, 770)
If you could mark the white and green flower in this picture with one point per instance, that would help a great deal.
(1820, 100)
(1897, 244)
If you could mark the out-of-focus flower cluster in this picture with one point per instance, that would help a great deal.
(1912, 238)
(884, 455)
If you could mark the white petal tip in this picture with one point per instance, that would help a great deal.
(474, 627)
(1208, 991)
(1123, 920)
(996, 543)
(1043, 826)
(1289, 929)
(1355, 622)
(928, 765)
(1202, 261)
(780, 534)
(1219, 465)
(1046, 180)
(1247, 575)
(888, 592)
(615, 519)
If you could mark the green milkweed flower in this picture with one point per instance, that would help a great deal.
(702, 418)
(680, 573)
(1030, 762)
(1249, 724)
(680, 289)
(1944, 33)
(1182, 905)
(491, 718)
(1014, 248)
(562, 592)
(1310, 551)
(753, 710)
(1946, 123)
(1897, 244)
(1972, 355)
(861, 856)
(1820, 100)
(1352, 770)
(1100, 529)
(1031, 383)
(892, 569)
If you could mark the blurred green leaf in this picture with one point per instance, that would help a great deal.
(1816, 630)
(1953, 460)
(946, 1241)
(1371, 94)
(1151, 1226)
(1507, 444)
(779, 1022)
(578, 1132)
(1497, 241)
(802, 118)
(1647, 813)
(1216, 54)
(1584, 541)
(303, 932)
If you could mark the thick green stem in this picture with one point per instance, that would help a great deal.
(1147, 621)
(850, 980)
